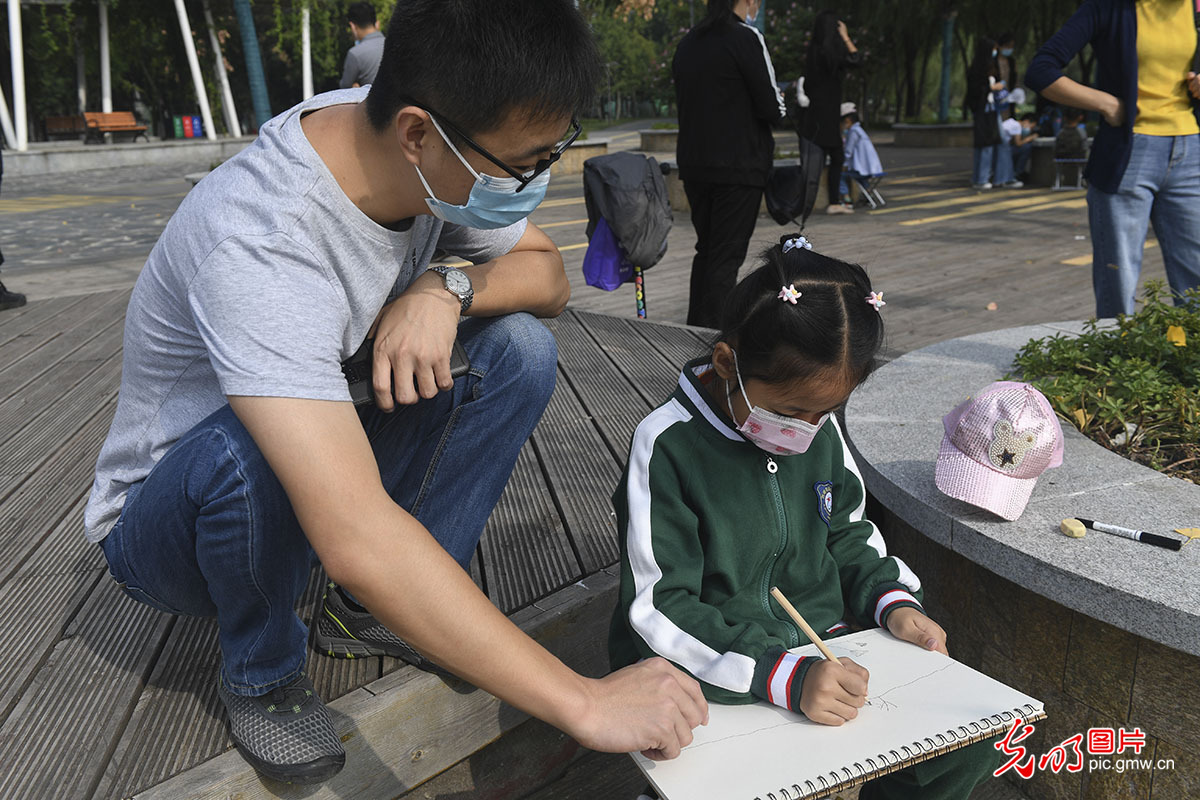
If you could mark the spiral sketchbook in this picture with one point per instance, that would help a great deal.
(920, 704)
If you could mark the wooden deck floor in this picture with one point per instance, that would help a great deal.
(102, 697)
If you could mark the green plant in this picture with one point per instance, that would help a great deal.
(1133, 388)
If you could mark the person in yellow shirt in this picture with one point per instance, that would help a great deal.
(1145, 161)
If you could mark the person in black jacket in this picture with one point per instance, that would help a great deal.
(830, 52)
(727, 100)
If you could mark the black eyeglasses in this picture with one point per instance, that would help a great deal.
(524, 178)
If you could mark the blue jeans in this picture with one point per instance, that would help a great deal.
(1020, 157)
(1161, 185)
(1003, 163)
(982, 171)
(210, 531)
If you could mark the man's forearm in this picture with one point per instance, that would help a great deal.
(527, 280)
(413, 587)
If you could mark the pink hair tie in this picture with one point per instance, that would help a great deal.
(876, 299)
(789, 294)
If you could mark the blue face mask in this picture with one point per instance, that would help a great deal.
(493, 202)
(1008, 51)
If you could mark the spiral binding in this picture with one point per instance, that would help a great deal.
(893, 760)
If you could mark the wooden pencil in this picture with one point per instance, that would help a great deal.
(804, 626)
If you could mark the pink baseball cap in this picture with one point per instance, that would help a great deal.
(996, 444)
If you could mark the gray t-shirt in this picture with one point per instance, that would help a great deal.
(263, 282)
(362, 61)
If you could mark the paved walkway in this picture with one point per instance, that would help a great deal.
(940, 251)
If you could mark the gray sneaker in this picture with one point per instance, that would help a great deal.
(344, 629)
(286, 733)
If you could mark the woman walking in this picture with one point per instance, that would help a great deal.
(830, 53)
(727, 99)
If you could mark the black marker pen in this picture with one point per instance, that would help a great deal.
(1129, 533)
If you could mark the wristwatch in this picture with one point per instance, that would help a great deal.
(457, 284)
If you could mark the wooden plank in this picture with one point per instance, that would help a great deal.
(524, 549)
(677, 343)
(647, 372)
(64, 727)
(408, 726)
(35, 319)
(582, 473)
(35, 441)
(38, 361)
(35, 505)
(600, 386)
(178, 720)
(19, 410)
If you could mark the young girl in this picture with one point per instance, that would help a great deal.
(742, 481)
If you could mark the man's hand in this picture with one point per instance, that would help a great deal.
(911, 625)
(1193, 84)
(833, 694)
(413, 338)
(650, 706)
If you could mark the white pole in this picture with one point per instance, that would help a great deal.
(6, 123)
(194, 63)
(21, 130)
(105, 66)
(306, 54)
(231, 119)
(80, 72)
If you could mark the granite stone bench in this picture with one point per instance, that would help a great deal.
(1105, 630)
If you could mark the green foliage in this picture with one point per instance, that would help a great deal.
(1134, 388)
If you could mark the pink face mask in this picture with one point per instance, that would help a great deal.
(774, 433)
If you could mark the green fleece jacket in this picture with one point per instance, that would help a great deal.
(709, 522)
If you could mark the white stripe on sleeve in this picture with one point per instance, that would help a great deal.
(770, 69)
(781, 679)
(732, 671)
(890, 598)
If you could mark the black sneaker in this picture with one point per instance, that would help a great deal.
(286, 733)
(344, 629)
(10, 299)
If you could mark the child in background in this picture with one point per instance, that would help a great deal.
(741, 481)
(1023, 134)
(1072, 140)
(861, 157)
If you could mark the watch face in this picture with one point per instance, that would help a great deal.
(457, 281)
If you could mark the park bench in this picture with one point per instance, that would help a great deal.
(71, 126)
(101, 122)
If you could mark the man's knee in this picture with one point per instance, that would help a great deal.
(529, 351)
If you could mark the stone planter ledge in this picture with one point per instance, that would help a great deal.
(894, 422)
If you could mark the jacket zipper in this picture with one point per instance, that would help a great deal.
(777, 496)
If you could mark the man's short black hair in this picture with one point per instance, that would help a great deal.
(1029, 117)
(1070, 114)
(475, 61)
(362, 15)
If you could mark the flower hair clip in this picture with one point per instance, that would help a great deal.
(789, 294)
(876, 299)
(792, 244)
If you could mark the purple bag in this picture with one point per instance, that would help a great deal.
(605, 265)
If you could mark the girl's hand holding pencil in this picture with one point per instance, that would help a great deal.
(832, 692)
